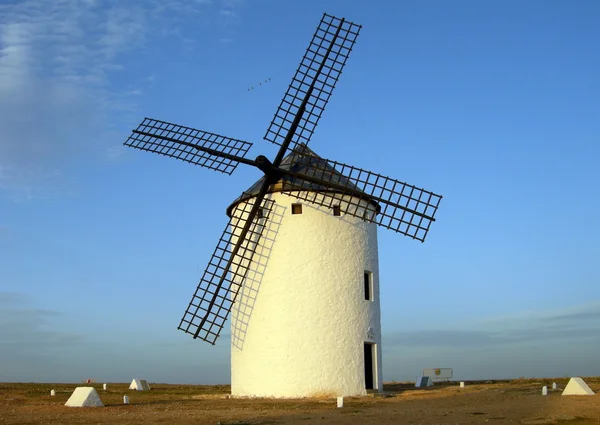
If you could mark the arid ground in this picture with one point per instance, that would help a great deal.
(494, 402)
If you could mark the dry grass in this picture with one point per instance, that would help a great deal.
(511, 401)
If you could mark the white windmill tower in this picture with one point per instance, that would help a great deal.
(307, 322)
(297, 264)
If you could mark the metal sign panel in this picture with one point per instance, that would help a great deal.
(438, 373)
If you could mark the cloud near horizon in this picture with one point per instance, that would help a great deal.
(533, 344)
(28, 342)
(576, 323)
(36, 347)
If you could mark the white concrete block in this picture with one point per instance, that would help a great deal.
(554, 385)
(104, 387)
(340, 402)
(84, 397)
(462, 384)
(577, 386)
(423, 381)
(125, 399)
(544, 390)
(140, 385)
(52, 393)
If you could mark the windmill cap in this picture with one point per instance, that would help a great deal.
(302, 160)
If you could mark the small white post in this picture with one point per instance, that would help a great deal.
(52, 393)
(554, 385)
(340, 402)
(544, 390)
(125, 399)
(462, 384)
(104, 387)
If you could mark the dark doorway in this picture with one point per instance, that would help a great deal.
(369, 348)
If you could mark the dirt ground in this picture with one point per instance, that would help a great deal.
(494, 402)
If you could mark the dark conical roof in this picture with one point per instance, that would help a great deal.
(300, 160)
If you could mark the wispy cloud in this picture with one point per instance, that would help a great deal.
(581, 323)
(26, 338)
(59, 62)
(227, 13)
(34, 348)
(540, 344)
(457, 338)
(578, 316)
(179, 6)
(229, 17)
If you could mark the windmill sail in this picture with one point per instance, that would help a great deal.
(401, 207)
(188, 144)
(315, 77)
(211, 303)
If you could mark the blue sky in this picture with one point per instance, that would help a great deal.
(494, 105)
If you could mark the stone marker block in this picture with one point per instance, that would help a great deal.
(577, 386)
(84, 397)
(140, 385)
(340, 402)
(544, 390)
(423, 381)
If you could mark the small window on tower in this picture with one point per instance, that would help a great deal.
(337, 210)
(296, 208)
(368, 283)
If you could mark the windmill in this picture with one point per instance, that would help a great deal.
(309, 323)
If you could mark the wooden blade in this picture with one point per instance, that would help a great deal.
(198, 147)
(314, 81)
(211, 303)
(390, 203)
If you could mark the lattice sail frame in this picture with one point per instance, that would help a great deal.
(400, 206)
(177, 142)
(247, 295)
(232, 279)
(320, 68)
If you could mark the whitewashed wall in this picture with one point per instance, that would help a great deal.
(300, 323)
